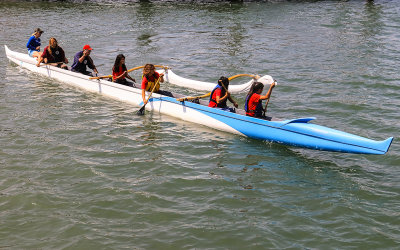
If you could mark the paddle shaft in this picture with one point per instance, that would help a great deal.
(266, 104)
(229, 95)
(129, 70)
(189, 98)
(147, 100)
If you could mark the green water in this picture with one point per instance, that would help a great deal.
(82, 171)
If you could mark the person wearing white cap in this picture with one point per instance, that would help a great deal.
(83, 59)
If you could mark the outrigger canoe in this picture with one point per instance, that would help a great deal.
(293, 132)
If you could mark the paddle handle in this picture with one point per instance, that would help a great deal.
(154, 87)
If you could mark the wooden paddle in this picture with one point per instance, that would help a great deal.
(129, 70)
(141, 110)
(190, 98)
(226, 90)
(266, 104)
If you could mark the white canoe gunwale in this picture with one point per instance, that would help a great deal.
(295, 132)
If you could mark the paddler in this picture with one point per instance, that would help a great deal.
(33, 44)
(220, 95)
(83, 59)
(120, 73)
(253, 105)
(149, 79)
(53, 54)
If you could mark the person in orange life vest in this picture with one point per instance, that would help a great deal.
(220, 95)
(149, 79)
(253, 105)
(120, 73)
(53, 54)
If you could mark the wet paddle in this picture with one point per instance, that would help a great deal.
(141, 110)
(269, 97)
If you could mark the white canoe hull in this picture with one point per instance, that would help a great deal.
(296, 132)
(117, 91)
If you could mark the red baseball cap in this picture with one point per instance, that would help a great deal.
(87, 47)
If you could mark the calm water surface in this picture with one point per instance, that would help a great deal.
(82, 171)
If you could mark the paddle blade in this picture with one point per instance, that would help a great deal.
(141, 111)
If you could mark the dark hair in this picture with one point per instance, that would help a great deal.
(256, 86)
(223, 80)
(118, 61)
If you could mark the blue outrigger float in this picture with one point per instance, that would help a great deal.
(294, 132)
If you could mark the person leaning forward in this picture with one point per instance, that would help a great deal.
(220, 94)
(151, 79)
(83, 59)
(53, 54)
(120, 73)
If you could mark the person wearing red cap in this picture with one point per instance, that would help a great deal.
(83, 59)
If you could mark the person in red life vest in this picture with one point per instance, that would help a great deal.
(120, 73)
(220, 95)
(149, 80)
(253, 105)
(53, 54)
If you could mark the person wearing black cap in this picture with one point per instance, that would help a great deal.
(83, 59)
(33, 44)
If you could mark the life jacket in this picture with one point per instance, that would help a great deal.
(253, 112)
(115, 74)
(150, 84)
(213, 102)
